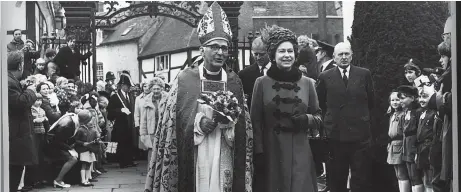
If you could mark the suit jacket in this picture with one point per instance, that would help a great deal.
(69, 63)
(248, 77)
(347, 109)
(329, 66)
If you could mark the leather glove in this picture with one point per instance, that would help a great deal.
(220, 118)
(207, 125)
(300, 121)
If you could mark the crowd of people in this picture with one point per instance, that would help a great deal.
(60, 127)
(303, 114)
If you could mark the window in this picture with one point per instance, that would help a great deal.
(162, 63)
(99, 71)
(42, 25)
(127, 30)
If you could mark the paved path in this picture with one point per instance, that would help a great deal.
(115, 180)
(118, 180)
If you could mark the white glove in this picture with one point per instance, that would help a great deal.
(126, 111)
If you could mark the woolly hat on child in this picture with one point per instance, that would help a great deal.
(84, 116)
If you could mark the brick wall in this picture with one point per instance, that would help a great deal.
(299, 16)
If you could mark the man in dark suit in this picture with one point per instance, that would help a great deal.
(121, 110)
(258, 69)
(324, 54)
(319, 146)
(346, 94)
(68, 59)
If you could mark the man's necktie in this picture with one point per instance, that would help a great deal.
(262, 71)
(127, 98)
(345, 76)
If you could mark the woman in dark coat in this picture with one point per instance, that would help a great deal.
(284, 109)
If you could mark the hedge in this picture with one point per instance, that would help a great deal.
(385, 35)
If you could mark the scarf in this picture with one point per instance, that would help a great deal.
(286, 76)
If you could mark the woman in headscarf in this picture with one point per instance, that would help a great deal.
(284, 109)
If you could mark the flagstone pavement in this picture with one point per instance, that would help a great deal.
(119, 180)
(115, 180)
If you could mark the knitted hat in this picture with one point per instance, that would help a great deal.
(274, 35)
(408, 90)
(214, 25)
(84, 116)
(14, 60)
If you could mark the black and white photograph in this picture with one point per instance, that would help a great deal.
(229, 96)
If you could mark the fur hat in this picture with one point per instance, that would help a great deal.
(274, 35)
(214, 25)
(84, 117)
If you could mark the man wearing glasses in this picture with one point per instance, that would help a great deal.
(196, 153)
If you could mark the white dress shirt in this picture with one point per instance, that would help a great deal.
(125, 94)
(348, 68)
(265, 68)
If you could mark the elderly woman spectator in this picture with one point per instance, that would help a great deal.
(284, 108)
(51, 113)
(146, 111)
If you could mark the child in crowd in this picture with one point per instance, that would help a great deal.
(409, 124)
(34, 176)
(425, 136)
(396, 145)
(39, 115)
(41, 67)
(84, 145)
(53, 97)
(90, 102)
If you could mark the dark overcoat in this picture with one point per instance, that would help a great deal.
(22, 150)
